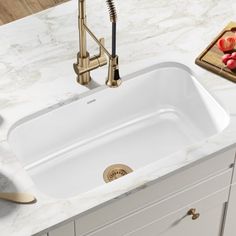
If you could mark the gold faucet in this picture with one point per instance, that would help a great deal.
(85, 64)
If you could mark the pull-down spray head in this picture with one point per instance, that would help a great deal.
(114, 79)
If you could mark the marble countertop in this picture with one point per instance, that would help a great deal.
(36, 57)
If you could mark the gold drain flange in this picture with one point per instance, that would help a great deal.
(116, 171)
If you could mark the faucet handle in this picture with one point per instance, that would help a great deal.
(101, 51)
(102, 60)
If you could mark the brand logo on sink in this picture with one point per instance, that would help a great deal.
(91, 101)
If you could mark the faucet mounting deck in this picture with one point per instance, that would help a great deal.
(85, 64)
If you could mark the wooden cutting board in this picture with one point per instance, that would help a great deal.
(210, 58)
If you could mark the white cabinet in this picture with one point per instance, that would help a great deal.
(230, 222)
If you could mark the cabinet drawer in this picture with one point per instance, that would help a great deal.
(209, 223)
(156, 191)
(158, 210)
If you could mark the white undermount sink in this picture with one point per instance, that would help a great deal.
(154, 113)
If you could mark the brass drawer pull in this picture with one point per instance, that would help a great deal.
(192, 212)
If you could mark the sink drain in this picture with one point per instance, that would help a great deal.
(116, 171)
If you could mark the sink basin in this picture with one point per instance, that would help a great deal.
(155, 113)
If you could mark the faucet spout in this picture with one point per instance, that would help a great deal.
(85, 64)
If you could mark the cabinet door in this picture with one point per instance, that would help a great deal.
(230, 226)
(209, 223)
